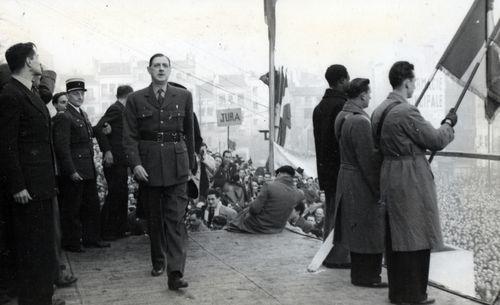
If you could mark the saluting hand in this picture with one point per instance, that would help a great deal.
(22, 197)
(140, 173)
(76, 177)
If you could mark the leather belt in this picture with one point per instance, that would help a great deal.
(163, 136)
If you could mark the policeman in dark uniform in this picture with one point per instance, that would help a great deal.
(80, 208)
(159, 147)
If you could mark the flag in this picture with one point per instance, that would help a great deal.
(464, 51)
(231, 145)
(270, 18)
(287, 116)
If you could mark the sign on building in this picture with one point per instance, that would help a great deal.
(229, 117)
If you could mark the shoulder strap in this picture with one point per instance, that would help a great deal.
(382, 119)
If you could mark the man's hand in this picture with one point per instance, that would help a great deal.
(76, 177)
(22, 197)
(108, 158)
(451, 118)
(106, 129)
(140, 173)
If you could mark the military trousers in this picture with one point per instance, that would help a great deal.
(114, 212)
(366, 268)
(80, 211)
(166, 208)
(35, 251)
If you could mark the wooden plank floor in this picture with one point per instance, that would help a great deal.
(222, 268)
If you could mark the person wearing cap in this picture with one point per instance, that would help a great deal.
(26, 159)
(270, 211)
(328, 155)
(361, 225)
(158, 135)
(115, 208)
(80, 208)
(407, 186)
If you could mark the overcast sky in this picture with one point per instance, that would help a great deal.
(230, 35)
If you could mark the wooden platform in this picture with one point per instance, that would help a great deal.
(222, 268)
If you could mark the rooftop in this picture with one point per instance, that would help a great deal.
(222, 268)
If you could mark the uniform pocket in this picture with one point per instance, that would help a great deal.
(182, 160)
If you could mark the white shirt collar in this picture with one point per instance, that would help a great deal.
(28, 83)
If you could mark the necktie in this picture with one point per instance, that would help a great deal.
(211, 212)
(161, 96)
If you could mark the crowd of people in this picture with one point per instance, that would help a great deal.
(469, 213)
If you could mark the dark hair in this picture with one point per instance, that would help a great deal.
(158, 55)
(400, 71)
(57, 96)
(227, 151)
(123, 90)
(219, 220)
(287, 169)
(16, 55)
(335, 73)
(358, 86)
(213, 192)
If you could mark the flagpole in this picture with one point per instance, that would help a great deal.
(426, 87)
(473, 73)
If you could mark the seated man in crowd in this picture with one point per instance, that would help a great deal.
(215, 208)
(270, 211)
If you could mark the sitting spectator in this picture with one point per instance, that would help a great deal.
(195, 223)
(226, 171)
(273, 206)
(219, 222)
(215, 208)
(234, 195)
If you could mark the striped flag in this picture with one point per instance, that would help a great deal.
(270, 18)
(464, 51)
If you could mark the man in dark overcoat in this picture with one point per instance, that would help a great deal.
(159, 147)
(407, 186)
(327, 154)
(357, 197)
(27, 163)
(115, 209)
(80, 207)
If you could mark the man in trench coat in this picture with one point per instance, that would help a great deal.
(328, 155)
(158, 136)
(357, 197)
(407, 186)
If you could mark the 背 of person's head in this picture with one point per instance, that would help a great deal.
(75, 90)
(285, 171)
(23, 60)
(337, 77)
(359, 92)
(159, 68)
(402, 78)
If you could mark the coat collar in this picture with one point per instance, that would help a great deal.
(330, 92)
(353, 108)
(72, 109)
(397, 97)
(36, 101)
(150, 95)
(288, 180)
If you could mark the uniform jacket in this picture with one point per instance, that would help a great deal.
(73, 143)
(406, 180)
(270, 211)
(26, 154)
(166, 163)
(327, 150)
(357, 196)
(114, 141)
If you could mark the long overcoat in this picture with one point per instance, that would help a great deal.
(357, 197)
(406, 181)
(167, 163)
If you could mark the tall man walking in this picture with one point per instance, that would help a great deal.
(328, 155)
(27, 163)
(159, 147)
(407, 186)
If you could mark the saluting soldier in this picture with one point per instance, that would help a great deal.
(159, 146)
(357, 197)
(80, 208)
(407, 186)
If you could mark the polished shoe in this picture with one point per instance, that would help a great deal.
(175, 282)
(372, 285)
(58, 302)
(157, 271)
(96, 244)
(423, 302)
(66, 281)
(75, 249)
(337, 265)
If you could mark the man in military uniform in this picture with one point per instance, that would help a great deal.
(115, 209)
(27, 163)
(80, 208)
(159, 146)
